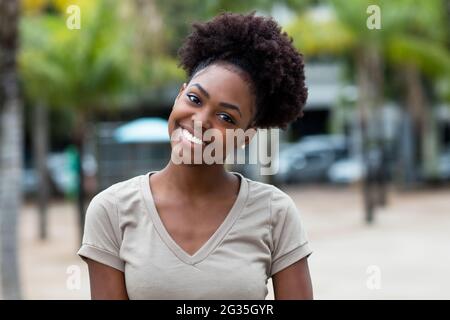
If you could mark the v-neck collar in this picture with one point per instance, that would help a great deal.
(214, 240)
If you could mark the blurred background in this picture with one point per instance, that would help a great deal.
(86, 88)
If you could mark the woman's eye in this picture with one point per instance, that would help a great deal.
(226, 118)
(193, 98)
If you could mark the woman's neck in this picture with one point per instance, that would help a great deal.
(196, 179)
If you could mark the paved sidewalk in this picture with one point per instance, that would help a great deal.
(47, 266)
(407, 250)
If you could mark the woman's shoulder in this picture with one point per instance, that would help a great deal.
(276, 205)
(127, 186)
(262, 190)
(260, 185)
(120, 192)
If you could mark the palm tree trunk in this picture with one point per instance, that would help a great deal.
(11, 141)
(370, 81)
(40, 141)
(80, 133)
(424, 131)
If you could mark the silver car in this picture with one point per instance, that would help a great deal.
(309, 159)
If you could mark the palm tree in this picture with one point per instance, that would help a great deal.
(85, 68)
(34, 41)
(416, 48)
(418, 56)
(411, 42)
(10, 150)
(325, 31)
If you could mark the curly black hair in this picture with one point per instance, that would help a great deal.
(256, 45)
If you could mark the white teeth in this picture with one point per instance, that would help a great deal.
(191, 138)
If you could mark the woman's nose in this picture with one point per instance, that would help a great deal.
(202, 119)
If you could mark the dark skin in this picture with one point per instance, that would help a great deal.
(219, 96)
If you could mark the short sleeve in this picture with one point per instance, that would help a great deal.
(102, 238)
(289, 238)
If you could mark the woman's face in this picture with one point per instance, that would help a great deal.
(217, 99)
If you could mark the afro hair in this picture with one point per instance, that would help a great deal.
(257, 46)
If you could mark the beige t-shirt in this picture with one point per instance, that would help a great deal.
(262, 234)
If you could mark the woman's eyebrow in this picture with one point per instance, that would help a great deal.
(231, 106)
(201, 89)
(223, 104)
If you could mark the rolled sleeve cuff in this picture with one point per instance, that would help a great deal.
(291, 257)
(102, 256)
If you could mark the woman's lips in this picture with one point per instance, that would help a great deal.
(188, 136)
(188, 133)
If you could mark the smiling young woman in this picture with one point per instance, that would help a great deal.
(194, 230)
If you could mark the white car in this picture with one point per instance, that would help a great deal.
(347, 171)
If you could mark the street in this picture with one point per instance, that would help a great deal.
(405, 254)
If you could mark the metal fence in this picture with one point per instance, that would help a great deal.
(121, 161)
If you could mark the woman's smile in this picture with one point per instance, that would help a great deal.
(188, 136)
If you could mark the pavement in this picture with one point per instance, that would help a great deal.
(404, 254)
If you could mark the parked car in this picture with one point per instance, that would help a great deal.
(346, 171)
(444, 165)
(309, 159)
